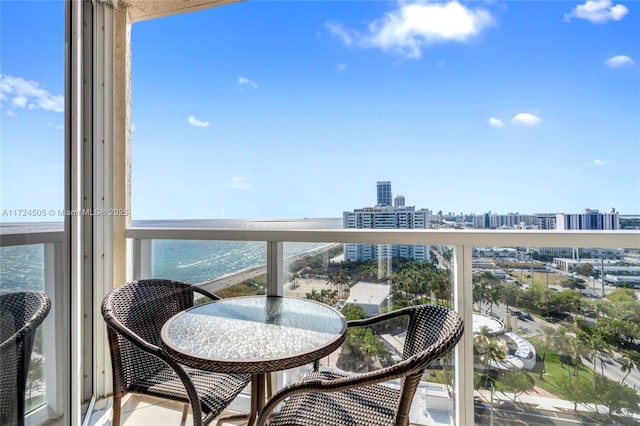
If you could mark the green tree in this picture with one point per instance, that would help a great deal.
(326, 296)
(340, 280)
(509, 294)
(517, 382)
(369, 272)
(549, 338)
(492, 354)
(576, 391)
(372, 347)
(35, 375)
(616, 396)
(621, 295)
(597, 348)
(575, 349)
(585, 269)
(629, 362)
(353, 312)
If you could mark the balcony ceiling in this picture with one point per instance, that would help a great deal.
(140, 10)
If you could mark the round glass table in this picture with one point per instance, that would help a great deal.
(253, 335)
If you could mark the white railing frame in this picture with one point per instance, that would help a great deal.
(53, 243)
(462, 240)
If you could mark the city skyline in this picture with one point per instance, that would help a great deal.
(465, 106)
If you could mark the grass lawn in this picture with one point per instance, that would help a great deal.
(554, 368)
(524, 276)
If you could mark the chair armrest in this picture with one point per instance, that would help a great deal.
(206, 293)
(379, 318)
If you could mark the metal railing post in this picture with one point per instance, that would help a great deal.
(142, 254)
(275, 268)
(463, 302)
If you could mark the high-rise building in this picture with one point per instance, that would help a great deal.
(386, 216)
(399, 201)
(588, 220)
(384, 193)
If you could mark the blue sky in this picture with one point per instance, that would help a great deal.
(270, 109)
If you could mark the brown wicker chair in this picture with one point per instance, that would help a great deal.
(21, 313)
(134, 313)
(329, 398)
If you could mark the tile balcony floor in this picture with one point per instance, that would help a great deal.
(141, 410)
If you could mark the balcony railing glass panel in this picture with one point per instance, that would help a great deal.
(364, 280)
(454, 252)
(547, 341)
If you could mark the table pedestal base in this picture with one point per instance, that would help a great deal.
(260, 389)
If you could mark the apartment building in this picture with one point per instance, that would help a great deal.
(386, 216)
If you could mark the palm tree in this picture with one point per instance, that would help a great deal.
(483, 338)
(493, 353)
(575, 349)
(549, 337)
(339, 280)
(369, 271)
(628, 364)
(598, 348)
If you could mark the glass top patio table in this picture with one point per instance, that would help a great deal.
(255, 334)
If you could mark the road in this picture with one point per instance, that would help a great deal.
(509, 414)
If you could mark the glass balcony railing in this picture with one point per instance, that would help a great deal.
(554, 316)
(30, 259)
(540, 327)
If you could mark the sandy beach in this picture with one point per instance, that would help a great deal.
(305, 285)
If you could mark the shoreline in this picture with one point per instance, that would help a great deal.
(232, 279)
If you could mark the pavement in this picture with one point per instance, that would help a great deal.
(543, 408)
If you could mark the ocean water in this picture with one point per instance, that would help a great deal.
(22, 267)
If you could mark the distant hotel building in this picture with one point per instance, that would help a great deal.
(386, 216)
(384, 193)
(589, 220)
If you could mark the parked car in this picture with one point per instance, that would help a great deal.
(561, 316)
(528, 316)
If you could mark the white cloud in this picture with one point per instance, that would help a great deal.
(597, 12)
(341, 67)
(526, 119)
(197, 123)
(597, 163)
(338, 30)
(19, 101)
(496, 122)
(11, 113)
(618, 61)
(28, 94)
(243, 81)
(416, 24)
(237, 182)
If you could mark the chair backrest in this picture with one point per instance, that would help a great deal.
(21, 313)
(432, 332)
(135, 313)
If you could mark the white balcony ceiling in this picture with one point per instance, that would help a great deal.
(140, 10)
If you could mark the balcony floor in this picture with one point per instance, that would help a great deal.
(139, 410)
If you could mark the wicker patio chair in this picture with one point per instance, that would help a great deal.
(21, 313)
(329, 398)
(134, 313)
